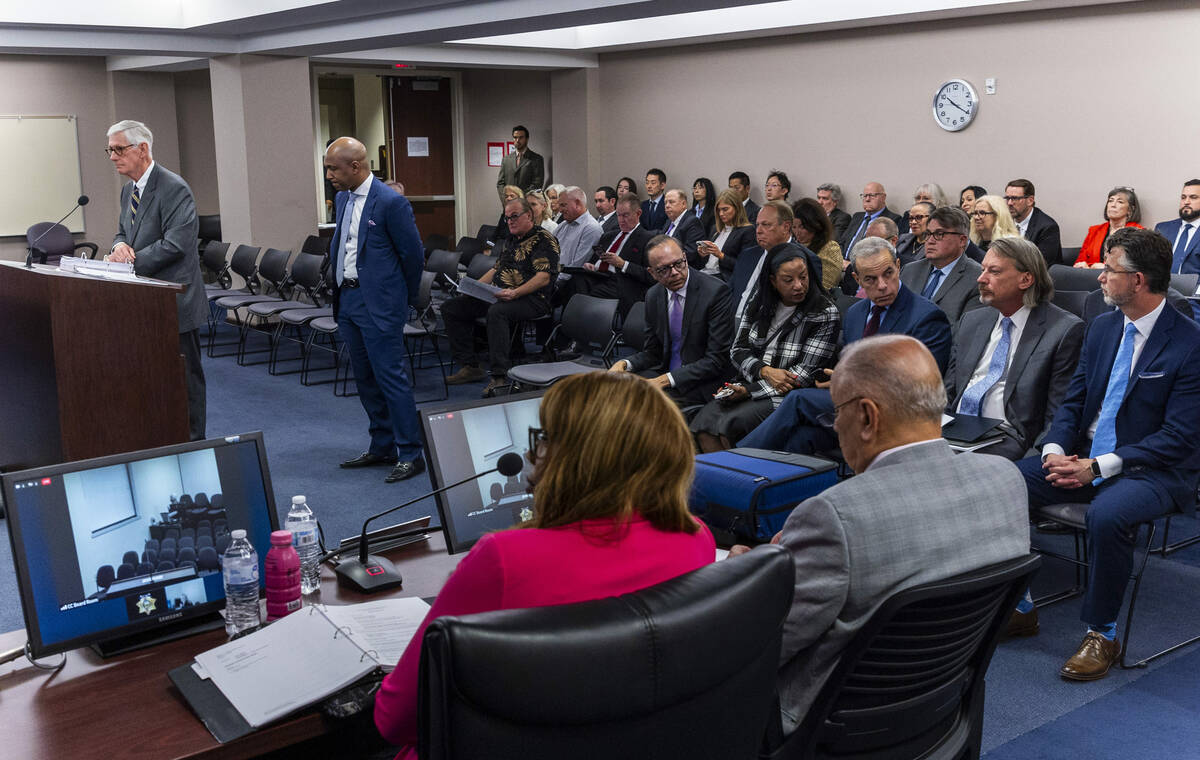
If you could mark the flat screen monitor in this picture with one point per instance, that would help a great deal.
(467, 438)
(125, 550)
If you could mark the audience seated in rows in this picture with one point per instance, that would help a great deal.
(605, 201)
(689, 328)
(654, 216)
(829, 195)
(785, 337)
(739, 182)
(990, 221)
(704, 195)
(889, 307)
(916, 513)
(812, 229)
(732, 232)
(1032, 223)
(773, 228)
(874, 205)
(682, 226)
(622, 255)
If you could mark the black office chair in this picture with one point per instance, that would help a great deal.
(164, 564)
(206, 559)
(151, 543)
(126, 570)
(302, 290)
(480, 265)
(53, 242)
(130, 558)
(214, 263)
(1069, 255)
(588, 321)
(684, 669)
(186, 554)
(1071, 300)
(435, 242)
(243, 263)
(144, 568)
(222, 543)
(274, 273)
(911, 682)
(1070, 278)
(105, 576)
(167, 554)
(150, 555)
(208, 227)
(445, 264)
(468, 248)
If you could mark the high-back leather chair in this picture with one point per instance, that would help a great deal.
(682, 669)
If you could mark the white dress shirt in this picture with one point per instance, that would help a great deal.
(353, 212)
(946, 270)
(992, 404)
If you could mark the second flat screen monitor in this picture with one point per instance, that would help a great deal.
(465, 439)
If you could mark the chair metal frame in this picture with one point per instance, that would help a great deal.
(585, 318)
(243, 263)
(263, 317)
(1073, 516)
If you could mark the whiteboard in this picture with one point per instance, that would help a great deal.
(52, 143)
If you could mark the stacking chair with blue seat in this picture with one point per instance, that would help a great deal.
(910, 684)
(589, 322)
(683, 669)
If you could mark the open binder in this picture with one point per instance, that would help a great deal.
(295, 662)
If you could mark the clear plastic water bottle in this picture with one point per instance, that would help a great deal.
(282, 581)
(303, 525)
(240, 568)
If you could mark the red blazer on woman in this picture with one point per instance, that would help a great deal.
(1092, 251)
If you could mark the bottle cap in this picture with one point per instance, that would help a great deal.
(238, 534)
(298, 499)
(281, 538)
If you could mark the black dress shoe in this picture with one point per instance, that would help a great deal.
(405, 470)
(367, 459)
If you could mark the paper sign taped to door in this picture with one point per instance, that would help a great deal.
(418, 146)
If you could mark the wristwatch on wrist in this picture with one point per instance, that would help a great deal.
(1096, 468)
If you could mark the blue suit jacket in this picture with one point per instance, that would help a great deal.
(1191, 257)
(390, 255)
(909, 314)
(1158, 423)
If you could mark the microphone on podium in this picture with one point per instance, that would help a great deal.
(81, 201)
(368, 573)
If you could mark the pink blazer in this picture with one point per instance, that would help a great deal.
(534, 568)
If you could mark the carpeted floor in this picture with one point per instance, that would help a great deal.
(1030, 711)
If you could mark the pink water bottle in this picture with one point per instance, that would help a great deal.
(283, 576)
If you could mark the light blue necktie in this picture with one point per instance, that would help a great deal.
(973, 397)
(1181, 246)
(1105, 440)
(931, 285)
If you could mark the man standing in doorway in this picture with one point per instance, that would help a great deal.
(522, 167)
(377, 264)
(157, 234)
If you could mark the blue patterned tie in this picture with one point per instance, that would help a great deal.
(343, 233)
(134, 201)
(1180, 253)
(931, 285)
(973, 397)
(1105, 440)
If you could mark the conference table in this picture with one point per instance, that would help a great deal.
(125, 706)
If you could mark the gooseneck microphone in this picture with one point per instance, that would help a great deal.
(81, 201)
(368, 573)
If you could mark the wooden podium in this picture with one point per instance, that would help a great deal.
(88, 367)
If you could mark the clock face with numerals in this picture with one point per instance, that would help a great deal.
(955, 105)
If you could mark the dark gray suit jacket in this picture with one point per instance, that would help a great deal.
(706, 340)
(530, 176)
(915, 516)
(164, 238)
(958, 294)
(1039, 371)
(689, 231)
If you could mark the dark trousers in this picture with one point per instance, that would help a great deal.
(1117, 505)
(193, 369)
(377, 358)
(459, 315)
(793, 425)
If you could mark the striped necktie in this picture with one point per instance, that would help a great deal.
(134, 200)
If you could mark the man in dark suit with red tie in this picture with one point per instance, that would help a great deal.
(689, 328)
(622, 254)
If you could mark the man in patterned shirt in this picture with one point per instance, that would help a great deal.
(525, 272)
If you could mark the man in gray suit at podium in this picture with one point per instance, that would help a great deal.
(157, 234)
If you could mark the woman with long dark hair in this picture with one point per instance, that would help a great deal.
(704, 198)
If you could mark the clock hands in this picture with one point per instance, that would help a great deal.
(956, 105)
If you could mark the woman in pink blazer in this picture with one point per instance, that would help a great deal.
(612, 466)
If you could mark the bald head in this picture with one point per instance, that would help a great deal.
(874, 197)
(889, 392)
(346, 164)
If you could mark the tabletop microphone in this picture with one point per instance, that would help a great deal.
(369, 573)
(81, 201)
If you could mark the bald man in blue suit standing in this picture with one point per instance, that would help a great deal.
(377, 263)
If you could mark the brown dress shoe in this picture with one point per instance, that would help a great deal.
(1095, 656)
(1022, 624)
(467, 374)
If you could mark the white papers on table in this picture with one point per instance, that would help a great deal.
(383, 627)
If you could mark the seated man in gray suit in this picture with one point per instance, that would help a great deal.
(946, 276)
(916, 513)
(689, 328)
(1014, 361)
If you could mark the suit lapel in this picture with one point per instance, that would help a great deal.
(1158, 340)
(1035, 328)
(364, 217)
(894, 312)
(144, 202)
